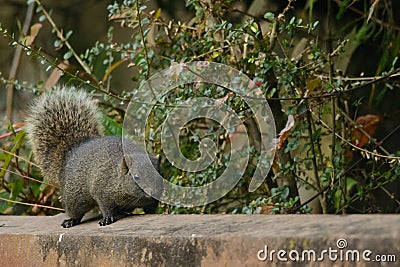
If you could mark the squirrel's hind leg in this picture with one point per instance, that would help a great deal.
(111, 218)
(110, 215)
(108, 220)
(71, 222)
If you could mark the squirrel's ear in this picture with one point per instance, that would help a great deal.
(125, 164)
(123, 167)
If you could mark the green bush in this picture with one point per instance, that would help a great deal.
(280, 52)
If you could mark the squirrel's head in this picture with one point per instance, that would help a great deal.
(142, 171)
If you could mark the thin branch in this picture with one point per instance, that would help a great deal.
(314, 160)
(63, 39)
(31, 204)
(18, 156)
(364, 15)
(143, 39)
(362, 150)
(37, 53)
(24, 176)
(359, 79)
(344, 172)
(366, 134)
(16, 60)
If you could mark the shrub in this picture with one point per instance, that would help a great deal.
(320, 148)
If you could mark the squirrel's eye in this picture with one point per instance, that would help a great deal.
(136, 176)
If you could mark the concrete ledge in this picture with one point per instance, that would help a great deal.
(202, 240)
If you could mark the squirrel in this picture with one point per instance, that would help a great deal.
(65, 130)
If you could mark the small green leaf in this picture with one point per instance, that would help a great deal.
(142, 8)
(144, 21)
(254, 27)
(269, 16)
(57, 43)
(68, 55)
(285, 193)
(68, 34)
(42, 18)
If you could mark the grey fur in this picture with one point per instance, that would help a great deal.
(64, 128)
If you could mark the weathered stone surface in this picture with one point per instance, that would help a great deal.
(200, 240)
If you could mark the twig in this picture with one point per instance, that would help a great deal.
(63, 39)
(143, 39)
(362, 13)
(360, 79)
(24, 176)
(361, 129)
(313, 152)
(31, 204)
(16, 60)
(390, 195)
(367, 152)
(57, 66)
(344, 172)
(18, 156)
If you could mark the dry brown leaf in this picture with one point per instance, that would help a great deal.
(285, 132)
(368, 124)
(225, 98)
(267, 208)
(29, 39)
(19, 125)
(56, 74)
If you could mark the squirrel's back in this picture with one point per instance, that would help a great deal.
(58, 121)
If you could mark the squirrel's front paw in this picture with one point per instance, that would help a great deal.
(70, 222)
(108, 220)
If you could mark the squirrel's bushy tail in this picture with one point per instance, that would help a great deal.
(58, 121)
